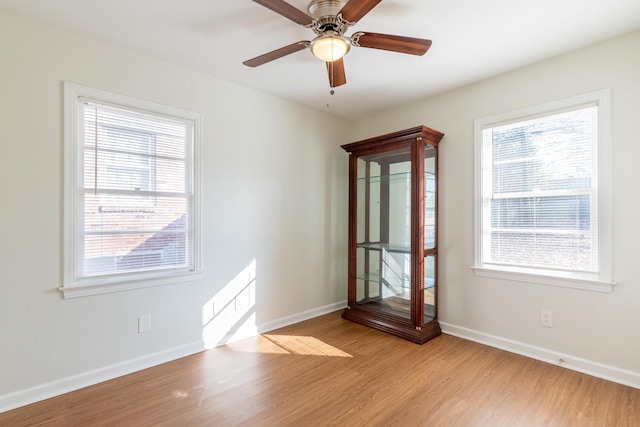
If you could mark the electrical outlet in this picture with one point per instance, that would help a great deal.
(546, 318)
(144, 323)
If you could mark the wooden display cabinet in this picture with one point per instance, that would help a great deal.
(393, 205)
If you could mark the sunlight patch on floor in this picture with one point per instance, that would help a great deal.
(287, 344)
(308, 346)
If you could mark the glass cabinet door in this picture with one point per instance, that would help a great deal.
(383, 248)
(393, 207)
(430, 227)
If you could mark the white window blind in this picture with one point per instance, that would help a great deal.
(541, 192)
(543, 197)
(136, 195)
(133, 202)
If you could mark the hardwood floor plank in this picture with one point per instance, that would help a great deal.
(329, 371)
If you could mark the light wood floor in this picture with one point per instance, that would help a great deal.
(328, 371)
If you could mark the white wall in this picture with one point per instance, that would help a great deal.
(600, 328)
(274, 197)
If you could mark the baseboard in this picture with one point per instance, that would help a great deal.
(300, 317)
(85, 379)
(596, 369)
(55, 388)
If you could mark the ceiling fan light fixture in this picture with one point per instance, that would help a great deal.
(330, 46)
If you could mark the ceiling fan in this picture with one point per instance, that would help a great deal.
(330, 19)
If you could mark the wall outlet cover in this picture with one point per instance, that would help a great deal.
(546, 318)
(144, 323)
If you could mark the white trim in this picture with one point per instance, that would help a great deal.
(552, 278)
(601, 282)
(589, 367)
(86, 379)
(605, 184)
(76, 90)
(147, 282)
(602, 97)
(73, 287)
(300, 317)
(198, 137)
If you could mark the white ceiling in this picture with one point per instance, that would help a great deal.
(472, 40)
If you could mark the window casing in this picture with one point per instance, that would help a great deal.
(131, 193)
(543, 194)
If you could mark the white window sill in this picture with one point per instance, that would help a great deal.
(545, 277)
(97, 288)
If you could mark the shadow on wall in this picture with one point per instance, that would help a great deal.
(231, 314)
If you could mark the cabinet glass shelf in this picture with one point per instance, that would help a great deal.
(392, 282)
(429, 243)
(404, 283)
(385, 246)
(402, 176)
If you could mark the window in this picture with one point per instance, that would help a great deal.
(543, 194)
(131, 193)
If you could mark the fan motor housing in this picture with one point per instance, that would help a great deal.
(325, 14)
(319, 9)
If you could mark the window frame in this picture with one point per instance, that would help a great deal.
(73, 169)
(600, 281)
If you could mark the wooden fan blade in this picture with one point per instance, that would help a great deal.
(275, 54)
(337, 76)
(354, 10)
(285, 9)
(400, 44)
